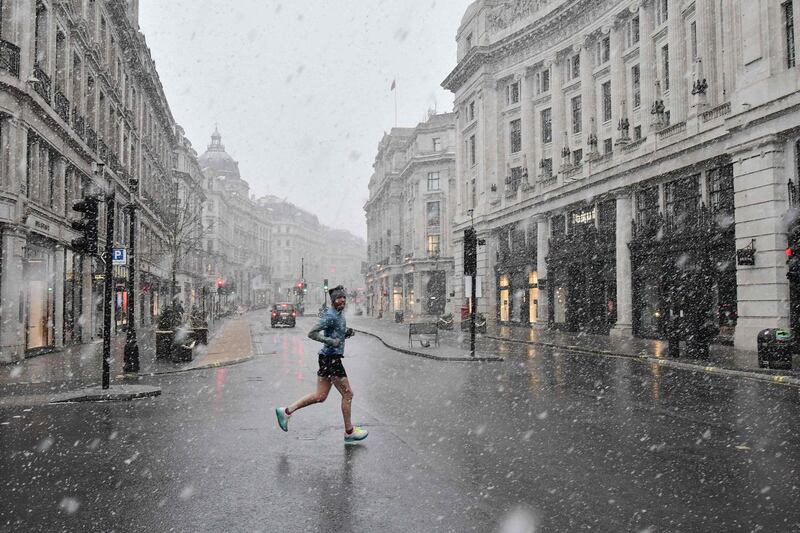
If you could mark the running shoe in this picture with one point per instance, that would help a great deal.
(357, 435)
(283, 418)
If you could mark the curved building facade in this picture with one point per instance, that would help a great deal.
(629, 161)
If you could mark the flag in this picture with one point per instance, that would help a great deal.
(394, 84)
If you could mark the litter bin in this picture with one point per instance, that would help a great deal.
(398, 317)
(775, 348)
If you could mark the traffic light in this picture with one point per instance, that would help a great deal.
(793, 254)
(220, 283)
(325, 285)
(470, 252)
(87, 225)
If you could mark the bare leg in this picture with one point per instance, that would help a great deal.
(343, 386)
(319, 396)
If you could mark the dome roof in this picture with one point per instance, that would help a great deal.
(216, 161)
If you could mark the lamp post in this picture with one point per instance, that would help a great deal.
(108, 291)
(131, 360)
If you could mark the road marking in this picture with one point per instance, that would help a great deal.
(779, 379)
(709, 369)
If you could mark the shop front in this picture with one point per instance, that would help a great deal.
(684, 261)
(39, 285)
(582, 266)
(73, 297)
(515, 274)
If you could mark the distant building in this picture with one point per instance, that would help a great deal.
(409, 214)
(617, 155)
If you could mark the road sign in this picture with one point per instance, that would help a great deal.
(119, 256)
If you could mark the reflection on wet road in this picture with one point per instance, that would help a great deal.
(576, 442)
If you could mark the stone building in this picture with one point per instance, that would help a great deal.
(237, 235)
(77, 88)
(627, 160)
(409, 214)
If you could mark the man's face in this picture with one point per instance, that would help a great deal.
(339, 303)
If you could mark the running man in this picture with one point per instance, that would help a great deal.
(331, 331)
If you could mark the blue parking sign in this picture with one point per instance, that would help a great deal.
(119, 256)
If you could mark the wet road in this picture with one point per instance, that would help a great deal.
(571, 442)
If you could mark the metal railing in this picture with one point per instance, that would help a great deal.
(716, 112)
(9, 57)
(43, 83)
(61, 104)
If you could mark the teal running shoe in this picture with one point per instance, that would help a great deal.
(283, 418)
(357, 435)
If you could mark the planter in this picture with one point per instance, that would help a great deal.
(164, 343)
(200, 335)
(480, 325)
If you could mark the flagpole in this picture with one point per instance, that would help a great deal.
(395, 103)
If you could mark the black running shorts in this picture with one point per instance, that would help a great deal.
(331, 367)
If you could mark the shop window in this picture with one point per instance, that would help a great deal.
(607, 216)
(533, 296)
(681, 202)
(560, 305)
(504, 294)
(557, 226)
(647, 208)
(720, 190)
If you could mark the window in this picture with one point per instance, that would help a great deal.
(543, 80)
(577, 156)
(471, 111)
(437, 144)
(681, 202)
(433, 181)
(514, 179)
(577, 115)
(547, 167)
(665, 66)
(632, 33)
(471, 150)
(693, 40)
(720, 189)
(468, 42)
(647, 207)
(637, 133)
(574, 67)
(788, 22)
(636, 86)
(433, 214)
(547, 126)
(662, 11)
(605, 90)
(433, 245)
(608, 146)
(603, 51)
(516, 136)
(512, 93)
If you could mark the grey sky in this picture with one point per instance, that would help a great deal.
(301, 89)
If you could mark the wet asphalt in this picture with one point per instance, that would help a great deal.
(545, 439)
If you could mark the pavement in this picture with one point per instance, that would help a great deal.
(454, 346)
(75, 373)
(549, 440)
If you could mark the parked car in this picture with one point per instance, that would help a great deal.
(283, 313)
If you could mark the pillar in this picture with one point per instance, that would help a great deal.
(624, 325)
(542, 251)
(647, 64)
(12, 299)
(557, 113)
(678, 84)
(760, 206)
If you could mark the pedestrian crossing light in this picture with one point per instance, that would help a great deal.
(87, 225)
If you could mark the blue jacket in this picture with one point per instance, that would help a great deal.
(332, 326)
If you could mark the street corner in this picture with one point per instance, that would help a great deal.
(114, 393)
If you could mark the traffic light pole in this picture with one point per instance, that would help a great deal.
(109, 287)
(131, 364)
(473, 311)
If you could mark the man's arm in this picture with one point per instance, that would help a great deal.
(318, 333)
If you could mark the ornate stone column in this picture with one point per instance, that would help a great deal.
(542, 251)
(624, 325)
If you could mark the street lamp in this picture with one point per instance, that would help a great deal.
(131, 360)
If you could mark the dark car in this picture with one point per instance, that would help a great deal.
(283, 313)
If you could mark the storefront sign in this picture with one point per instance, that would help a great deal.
(584, 217)
(745, 257)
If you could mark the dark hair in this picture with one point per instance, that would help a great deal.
(337, 291)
